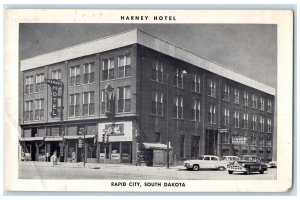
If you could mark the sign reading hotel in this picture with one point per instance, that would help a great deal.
(239, 140)
(54, 84)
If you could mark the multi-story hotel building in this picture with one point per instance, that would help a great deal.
(143, 91)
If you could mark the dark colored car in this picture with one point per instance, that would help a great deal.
(248, 164)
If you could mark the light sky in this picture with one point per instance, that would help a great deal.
(250, 50)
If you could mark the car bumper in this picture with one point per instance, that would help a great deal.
(236, 168)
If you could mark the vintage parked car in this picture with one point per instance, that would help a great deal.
(230, 159)
(248, 164)
(205, 162)
(272, 164)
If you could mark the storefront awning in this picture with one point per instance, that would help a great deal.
(72, 137)
(54, 139)
(31, 139)
(156, 146)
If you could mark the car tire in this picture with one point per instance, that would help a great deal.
(261, 171)
(221, 168)
(230, 172)
(247, 172)
(196, 167)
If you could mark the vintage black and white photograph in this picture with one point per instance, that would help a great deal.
(160, 102)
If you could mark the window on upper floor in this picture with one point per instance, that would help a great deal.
(269, 123)
(124, 99)
(212, 114)
(75, 75)
(157, 103)
(74, 105)
(108, 69)
(262, 124)
(269, 141)
(196, 113)
(253, 139)
(88, 103)
(39, 82)
(236, 96)
(178, 78)
(262, 104)
(245, 120)
(28, 110)
(196, 83)
(157, 137)
(226, 92)
(157, 70)
(261, 141)
(28, 84)
(178, 107)
(39, 109)
(254, 122)
(269, 106)
(226, 117)
(107, 102)
(254, 101)
(89, 72)
(246, 101)
(56, 74)
(236, 119)
(124, 66)
(212, 88)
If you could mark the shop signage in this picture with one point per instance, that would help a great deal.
(125, 156)
(79, 143)
(102, 155)
(223, 130)
(115, 156)
(54, 85)
(239, 140)
(115, 129)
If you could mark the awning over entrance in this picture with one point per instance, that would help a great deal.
(156, 146)
(31, 139)
(54, 139)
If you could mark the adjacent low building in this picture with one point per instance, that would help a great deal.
(142, 91)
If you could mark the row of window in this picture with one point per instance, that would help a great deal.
(34, 111)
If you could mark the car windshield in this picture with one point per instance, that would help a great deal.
(250, 158)
(201, 157)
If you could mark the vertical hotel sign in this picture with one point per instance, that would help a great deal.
(54, 85)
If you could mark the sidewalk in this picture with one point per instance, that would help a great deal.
(87, 165)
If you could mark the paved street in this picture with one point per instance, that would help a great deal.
(42, 170)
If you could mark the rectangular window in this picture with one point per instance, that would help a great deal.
(157, 103)
(157, 70)
(246, 98)
(245, 121)
(262, 123)
(236, 96)
(103, 101)
(75, 75)
(196, 110)
(254, 101)
(225, 138)
(269, 123)
(212, 114)
(195, 144)
(157, 137)
(39, 82)
(89, 72)
(28, 111)
(211, 88)
(178, 107)
(182, 149)
(254, 122)
(124, 99)
(269, 141)
(236, 119)
(88, 106)
(124, 66)
(253, 139)
(196, 83)
(226, 116)
(74, 105)
(269, 106)
(39, 109)
(178, 78)
(108, 69)
(262, 104)
(226, 92)
(261, 141)
(28, 84)
(56, 74)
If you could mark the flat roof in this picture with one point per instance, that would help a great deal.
(136, 36)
